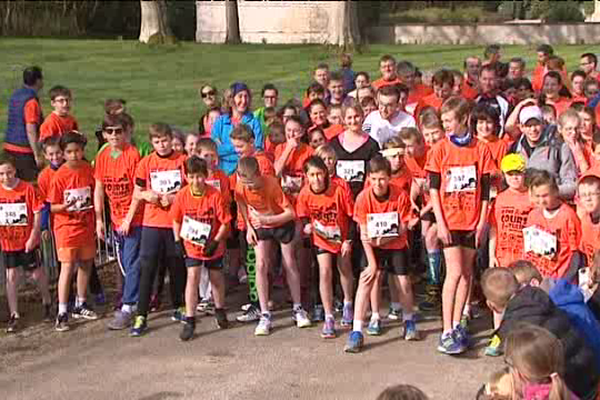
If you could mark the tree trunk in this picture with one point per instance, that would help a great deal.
(343, 30)
(154, 20)
(232, 19)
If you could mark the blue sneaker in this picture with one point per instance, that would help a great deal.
(449, 345)
(462, 336)
(178, 315)
(347, 315)
(139, 327)
(355, 342)
(410, 330)
(374, 328)
(328, 331)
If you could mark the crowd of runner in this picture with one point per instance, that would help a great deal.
(487, 177)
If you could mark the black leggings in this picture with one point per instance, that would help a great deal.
(157, 244)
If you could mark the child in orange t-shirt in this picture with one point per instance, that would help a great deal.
(115, 180)
(275, 138)
(201, 223)
(382, 212)
(325, 210)
(71, 202)
(417, 150)
(20, 217)
(589, 199)
(54, 156)
(327, 153)
(553, 232)
(158, 178)
(459, 170)
(59, 121)
(269, 217)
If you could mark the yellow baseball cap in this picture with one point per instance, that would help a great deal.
(513, 162)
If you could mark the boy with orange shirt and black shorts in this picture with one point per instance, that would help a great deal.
(552, 235)
(459, 169)
(268, 216)
(115, 180)
(200, 224)
(20, 216)
(382, 211)
(71, 203)
(59, 121)
(158, 178)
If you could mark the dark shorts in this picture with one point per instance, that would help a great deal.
(396, 262)
(217, 263)
(14, 259)
(283, 234)
(429, 216)
(463, 239)
(233, 240)
(157, 243)
(26, 167)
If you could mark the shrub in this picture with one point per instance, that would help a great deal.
(564, 12)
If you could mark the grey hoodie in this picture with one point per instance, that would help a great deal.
(553, 155)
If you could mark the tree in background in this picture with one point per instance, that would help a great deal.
(155, 22)
(343, 29)
(232, 19)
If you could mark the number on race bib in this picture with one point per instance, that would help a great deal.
(539, 242)
(194, 231)
(330, 233)
(351, 170)
(79, 199)
(461, 179)
(13, 214)
(382, 225)
(165, 182)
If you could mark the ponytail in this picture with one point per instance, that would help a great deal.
(558, 388)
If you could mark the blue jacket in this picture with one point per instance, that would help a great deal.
(228, 158)
(569, 298)
(16, 132)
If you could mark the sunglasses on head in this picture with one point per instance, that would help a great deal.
(209, 93)
(113, 131)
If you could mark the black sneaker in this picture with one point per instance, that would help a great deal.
(187, 332)
(13, 324)
(48, 317)
(221, 318)
(250, 315)
(62, 322)
(84, 312)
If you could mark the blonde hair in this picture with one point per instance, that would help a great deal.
(460, 106)
(499, 285)
(325, 150)
(411, 133)
(568, 115)
(500, 385)
(538, 356)
(356, 107)
(525, 272)
(402, 392)
(394, 143)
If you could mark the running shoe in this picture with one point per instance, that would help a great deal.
(121, 320)
(178, 315)
(374, 328)
(410, 330)
(494, 348)
(250, 315)
(264, 326)
(355, 342)
(13, 324)
(394, 314)
(221, 318)
(450, 345)
(84, 312)
(188, 329)
(462, 336)
(301, 318)
(139, 327)
(62, 322)
(347, 315)
(328, 331)
(318, 313)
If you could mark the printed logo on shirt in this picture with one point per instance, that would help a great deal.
(351, 170)
(195, 232)
(382, 225)
(329, 233)
(79, 199)
(13, 214)
(166, 182)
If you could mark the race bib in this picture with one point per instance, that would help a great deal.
(291, 183)
(461, 179)
(194, 231)
(539, 242)
(586, 285)
(80, 199)
(329, 233)
(165, 182)
(382, 225)
(351, 170)
(13, 214)
(214, 183)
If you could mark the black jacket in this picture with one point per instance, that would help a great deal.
(532, 305)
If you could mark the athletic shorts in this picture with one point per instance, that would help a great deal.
(319, 251)
(429, 217)
(463, 239)
(396, 262)
(72, 254)
(14, 259)
(217, 263)
(233, 240)
(283, 234)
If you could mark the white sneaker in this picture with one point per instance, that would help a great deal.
(301, 318)
(264, 326)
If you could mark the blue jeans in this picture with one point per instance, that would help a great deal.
(128, 257)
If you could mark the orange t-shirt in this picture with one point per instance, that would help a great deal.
(460, 169)
(418, 92)
(333, 131)
(17, 208)
(379, 83)
(561, 105)
(116, 171)
(270, 149)
(537, 77)
(565, 229)
(402, 180)
(74, 228)
(468, 92)
(330, 214)
(498, 148)
(590, 239)
(220, 181)
(44, 180)
(292, 175)
(508, 215)
(416, 166)
(369, 209)
(33, 112)
(342, 183)
(55, 125)
(206, 209)
(163, 175)
(268, 200)
(428, 101)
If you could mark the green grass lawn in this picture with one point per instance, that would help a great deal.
(160, 83)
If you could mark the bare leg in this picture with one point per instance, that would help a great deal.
(83, 278)
(346, 277)
(13, 277)
(64, 282)
(453, 277)
(467, 261)
(191, 290)
(217, 283)
(291, 271)
(263, 251)
(326, 281)
(39, 274)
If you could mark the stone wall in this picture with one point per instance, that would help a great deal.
(266, 21)
(510, 33)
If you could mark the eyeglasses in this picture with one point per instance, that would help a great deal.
(206, 94)
(113, 131)
(589, 195)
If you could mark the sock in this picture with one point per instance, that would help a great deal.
(15, 314)
(455, 324)
(447, 332)
(407, 316)
(329, 316)
(79, 301)
(375, 316)
(297, 306)
(396, 306)
(128, 308)
(62, 308)
(435, 266)
(357, 326)
(467, 310)
(347, 303)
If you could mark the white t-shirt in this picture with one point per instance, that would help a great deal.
(382, 130)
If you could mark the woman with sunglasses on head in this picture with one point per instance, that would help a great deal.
(208, 94)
